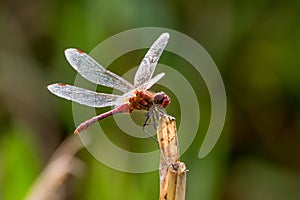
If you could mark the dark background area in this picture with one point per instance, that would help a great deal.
(255, 45)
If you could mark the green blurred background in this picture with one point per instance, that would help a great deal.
(255, 44)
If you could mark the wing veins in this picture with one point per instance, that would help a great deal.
(91, 70)
(149, 62)
(84, 96)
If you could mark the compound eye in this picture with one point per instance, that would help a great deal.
(158, 98)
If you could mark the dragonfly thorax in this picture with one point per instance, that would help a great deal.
(143, 100)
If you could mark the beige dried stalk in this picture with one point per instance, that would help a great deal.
(50, 184)
(172, 171)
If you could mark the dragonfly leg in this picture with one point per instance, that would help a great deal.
(146, 120)
(146, 124)
(151, 136)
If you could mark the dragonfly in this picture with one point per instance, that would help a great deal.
(135, 96)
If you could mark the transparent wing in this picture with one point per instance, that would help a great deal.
(83, 96)
(152, 81)
(131, 93)
(125, 97)
(148, 64)
(91, 70)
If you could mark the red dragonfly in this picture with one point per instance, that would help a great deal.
(135, 97)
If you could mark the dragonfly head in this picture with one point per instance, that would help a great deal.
(162, 98)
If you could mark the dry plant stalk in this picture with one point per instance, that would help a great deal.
(172, 172)
(50, 184)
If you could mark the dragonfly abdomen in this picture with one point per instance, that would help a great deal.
(89, 122)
